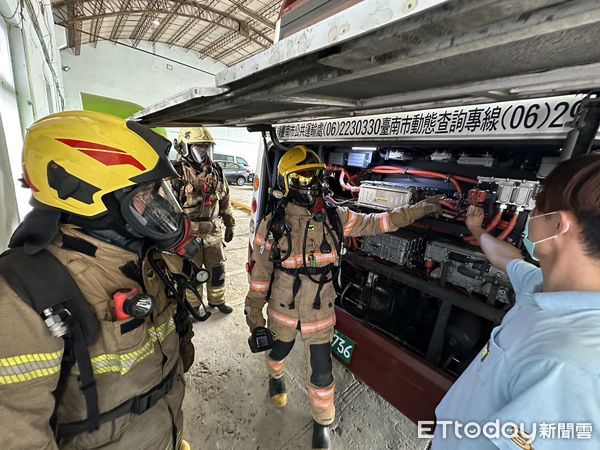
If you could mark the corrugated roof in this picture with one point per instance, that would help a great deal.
(228, 31)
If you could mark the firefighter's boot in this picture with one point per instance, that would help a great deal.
(320, 436)
(223, 307)
(278, 392)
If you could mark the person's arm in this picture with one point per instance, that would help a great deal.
(260, 277)
(226, 212)
(500, 253)
(357, 224)
(30, 361)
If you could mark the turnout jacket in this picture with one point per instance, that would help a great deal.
(125, 364)
(205, 198)
(275, 285)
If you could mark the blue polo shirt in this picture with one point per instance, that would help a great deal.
(539, 370)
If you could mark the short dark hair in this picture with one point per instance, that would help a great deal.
(574, 186)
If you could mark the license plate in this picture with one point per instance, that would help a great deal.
(342, 346)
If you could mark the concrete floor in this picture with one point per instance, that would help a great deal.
(227, 404)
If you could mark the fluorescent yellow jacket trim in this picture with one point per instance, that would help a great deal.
(22, 368)
(122, 363)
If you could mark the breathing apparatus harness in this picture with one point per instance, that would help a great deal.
(177, 285)
(56, 297)
(208, 190)
(322, 212)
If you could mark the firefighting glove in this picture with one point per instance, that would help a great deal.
(228, 234)
(406, 215)
(254, 317)
(431, 205)
(228, 219)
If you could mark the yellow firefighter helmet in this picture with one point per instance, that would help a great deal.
(195, 144)
(299, 172)
(196, 136)
(72, 159)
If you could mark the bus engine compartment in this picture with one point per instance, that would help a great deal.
(428, 286)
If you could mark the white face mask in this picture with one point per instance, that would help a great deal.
(530, 246)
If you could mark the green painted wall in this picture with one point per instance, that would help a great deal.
(116, 107)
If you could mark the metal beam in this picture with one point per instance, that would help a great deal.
(226, 40)
(186, 8)
(120, 22)
(226, 52)
(192, 42)
(224, 45)
(148, 10)
(244, 57)
(96, 25)
(144, 23)
(74, 12)
(181, 32)
(133, 12)
(157, 34)
(251, 14)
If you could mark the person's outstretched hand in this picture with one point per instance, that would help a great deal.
(474, 221)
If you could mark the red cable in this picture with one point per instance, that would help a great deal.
(350, 178)
(353, 177)
(390, 170)
(465, 179)
(419, 173)
(343, 184)
(511, 226)
(494, 223)
(490, 227)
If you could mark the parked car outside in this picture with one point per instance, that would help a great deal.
(231, 158)
(235, 173)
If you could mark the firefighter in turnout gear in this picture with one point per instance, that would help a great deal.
(203, 193)
(295, 266)
(79, 369)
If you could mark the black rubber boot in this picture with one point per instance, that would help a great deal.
(223, 307)
(320, 437)
(278, 392)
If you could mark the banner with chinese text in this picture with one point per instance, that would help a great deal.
(544, 118)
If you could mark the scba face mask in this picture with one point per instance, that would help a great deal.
(152, 211)
(199, 152)
(305, 186)
(530, 246)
